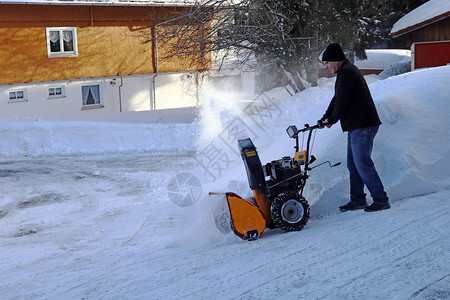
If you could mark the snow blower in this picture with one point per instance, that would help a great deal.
(277, 187)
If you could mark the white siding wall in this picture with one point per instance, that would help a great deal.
(136, 92)
(173, 90)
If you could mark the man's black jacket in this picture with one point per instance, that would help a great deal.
(352, 103)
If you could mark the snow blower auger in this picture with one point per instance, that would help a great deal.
(277, 187)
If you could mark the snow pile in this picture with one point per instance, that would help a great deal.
(378, 59)
(401, 67)
(413, 147)
(83, 137)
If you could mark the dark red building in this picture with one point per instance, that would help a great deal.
(426, 30)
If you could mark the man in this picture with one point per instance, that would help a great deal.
(352, 104)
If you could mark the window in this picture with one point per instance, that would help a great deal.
(17, 96)
(61, 41)
(56, 92)
(91, 95)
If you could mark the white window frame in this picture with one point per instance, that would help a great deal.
(93, 105)
(22, 94)
(62, 53)
(55, 94)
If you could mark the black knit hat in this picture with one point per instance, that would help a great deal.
(333, 52)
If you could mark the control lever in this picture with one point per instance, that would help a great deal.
(331, 166)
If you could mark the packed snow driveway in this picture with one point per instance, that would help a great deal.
(58, 212)
(85, 226)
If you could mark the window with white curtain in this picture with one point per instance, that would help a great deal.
(91, 95)
(17, 96)
(61, 41)
(56, 92)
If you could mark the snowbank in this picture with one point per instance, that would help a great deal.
(401, 67)
(83, 137)
(379, 59)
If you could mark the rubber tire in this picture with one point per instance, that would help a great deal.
(276, 211)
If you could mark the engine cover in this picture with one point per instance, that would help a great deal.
(283, 175)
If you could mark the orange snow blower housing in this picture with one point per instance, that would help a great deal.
(277, 187)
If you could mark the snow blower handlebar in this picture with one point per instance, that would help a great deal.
(293, 132)
(307, 128)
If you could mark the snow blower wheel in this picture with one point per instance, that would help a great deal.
(290, 211)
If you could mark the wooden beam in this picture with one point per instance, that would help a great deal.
(92, 16)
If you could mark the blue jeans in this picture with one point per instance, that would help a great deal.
(361, 167)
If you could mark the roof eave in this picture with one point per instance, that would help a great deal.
(420, 25)
(178, 4)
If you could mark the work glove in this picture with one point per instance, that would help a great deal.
(322, 123)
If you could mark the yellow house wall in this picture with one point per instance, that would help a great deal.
(108, 43)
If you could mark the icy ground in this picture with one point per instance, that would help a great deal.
(87, 208)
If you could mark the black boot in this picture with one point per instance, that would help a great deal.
(377, 207)
(352, 206)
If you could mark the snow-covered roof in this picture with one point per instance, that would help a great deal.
(430, 12)
(378, 59)
(104, 2)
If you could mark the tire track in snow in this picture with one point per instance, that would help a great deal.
(414, 296)
(370, 273)
(118, 267)
(327, 258)
(202, 271)
(330, 258)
